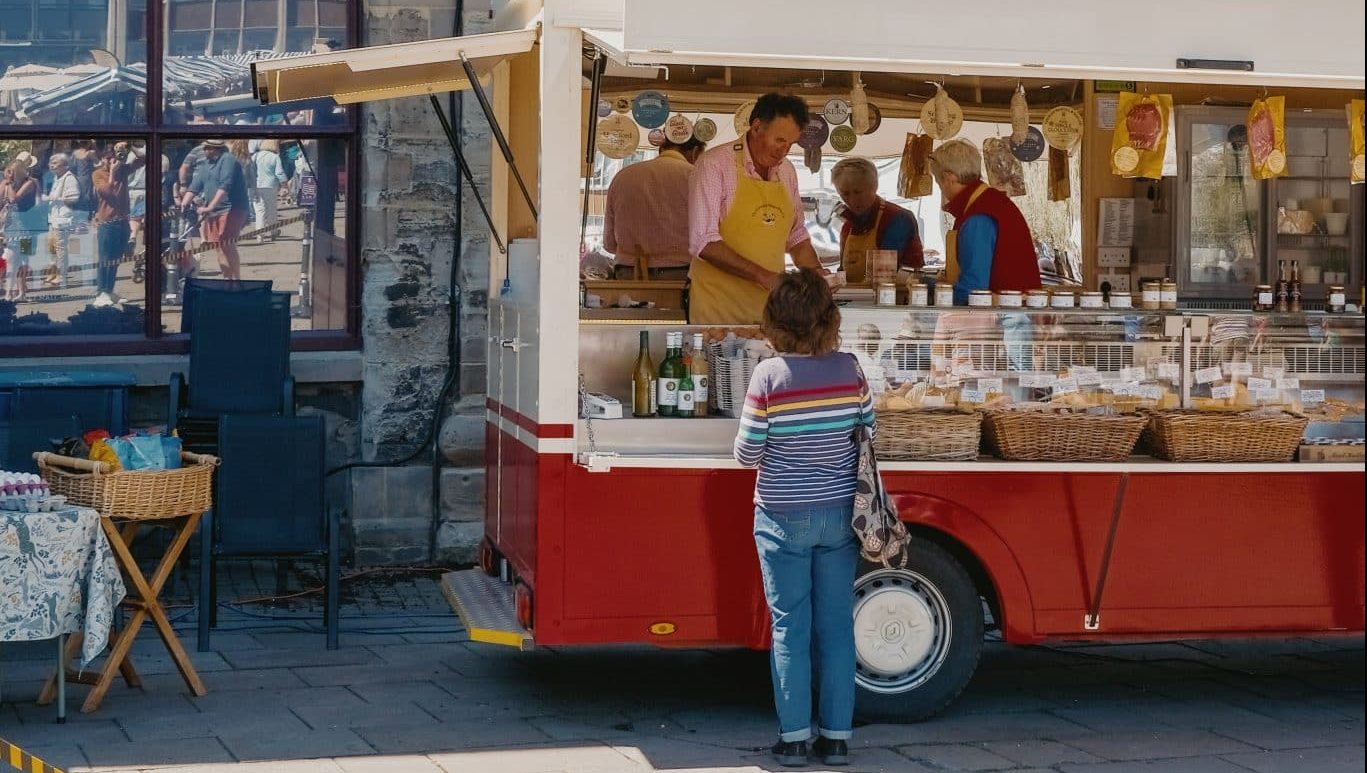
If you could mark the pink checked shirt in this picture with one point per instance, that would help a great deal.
(714, 188)
(646, 212)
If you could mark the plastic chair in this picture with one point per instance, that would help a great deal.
(196, 287)
(270, 505)
(29, 434)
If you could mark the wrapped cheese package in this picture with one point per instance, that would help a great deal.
(1355, 133)
(1267, 137)
(1004, 171)
(1060, 184)
(1141, 135)
(913, 176)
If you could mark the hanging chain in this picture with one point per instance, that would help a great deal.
(584, 412)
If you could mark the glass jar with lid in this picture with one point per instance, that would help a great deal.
(918, 295)
(1037, 299)
(1091, 300)
(1010, 299)
(1167, 294)
(1062, 299)
(1151, 296)
(1337, 302)
(885, 294)
(1263, 298)
(981, 299)
(1122, 301)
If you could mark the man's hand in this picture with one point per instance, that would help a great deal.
(769, 280)
(202, 211)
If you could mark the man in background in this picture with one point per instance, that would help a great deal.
(645, 220)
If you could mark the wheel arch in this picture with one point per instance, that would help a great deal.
(983, 554)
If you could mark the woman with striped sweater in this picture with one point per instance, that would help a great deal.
(797, 428)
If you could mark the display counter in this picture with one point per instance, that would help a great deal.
(1228, 362)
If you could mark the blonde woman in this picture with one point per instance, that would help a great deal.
(265, 175)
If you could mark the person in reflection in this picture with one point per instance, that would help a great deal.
(990, 247)
(21, 221)
(64, 194)
(871, 222)
(110, 180)
(807, 458)
(265, 174)
(225, 211)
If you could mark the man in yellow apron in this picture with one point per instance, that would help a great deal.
(745, 214)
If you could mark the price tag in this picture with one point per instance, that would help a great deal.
(1151, 392)
(907, 375)
(1037, 381)
(1241, 369)
(1132, 374)
(1065, 386)
(1312, 396)
(962, 369)
(1208, 375)
(1222, 392)
(1170, 371)
(1265, 395)
(946, 381)
(1258, 383)
(933, 401)
(1088, 379)
(939, 364)
(1122, 389)
(1289, 383)
(1273, 373)
(990, 385)
(972, 396)
(1078, 370)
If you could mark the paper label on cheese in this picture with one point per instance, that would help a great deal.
(1088, 379)
(1239, 368)
(1312, 396)
(1273, 373)
(1208, 375)
(943, 380)
(1258, 383)
(1169, 370)
(1151, 392)
(1037, 381)
(972, 396)
(990, 385)
(1132, 374)
(1222, 392)
(1065, 386)
(1289, 383)
(1265, 394)
(933, 401)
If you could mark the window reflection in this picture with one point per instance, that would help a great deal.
(71, 216)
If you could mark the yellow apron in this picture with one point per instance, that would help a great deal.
(756, 227)
(854, 251)
(952, 238)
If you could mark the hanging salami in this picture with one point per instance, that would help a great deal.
(941, 116)
(1020, 116)
(1267, 137)
(1140, 137)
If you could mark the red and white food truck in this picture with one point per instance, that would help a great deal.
(626, 530)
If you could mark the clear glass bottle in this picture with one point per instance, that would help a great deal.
(702, 377)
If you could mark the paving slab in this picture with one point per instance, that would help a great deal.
(1157, 744)
(324, 743)
(1185, 765)
(1334, 759)
(963, 756)
(1039, 753)
(441, 737)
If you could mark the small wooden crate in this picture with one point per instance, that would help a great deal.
(928, 435)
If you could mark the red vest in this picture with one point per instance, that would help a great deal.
(1015, 266)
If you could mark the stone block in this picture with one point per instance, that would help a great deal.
(401, 556)
(408, 492)
(391, 532)
(462, 437)
(462, 494)
(458, 542)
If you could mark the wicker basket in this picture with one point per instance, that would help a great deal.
(135, 494)
(928, 435)
(1062, 437)
(1195, 436)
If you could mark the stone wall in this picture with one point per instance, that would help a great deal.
(409, 184)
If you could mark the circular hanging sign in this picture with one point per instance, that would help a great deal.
(953, 123)
(656, 137)
(621, 105)
(814, 134)
(1276, 162)
(604, 108)
(743, 117)
(836, 111)
(1062, 127)
(618, 136)
(650, 109)
(843, 139)
(1125, 158)
(1030, 148)
(875, 118)
(678, 129)
(705, 130)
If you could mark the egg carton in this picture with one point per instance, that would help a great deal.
(32, 503)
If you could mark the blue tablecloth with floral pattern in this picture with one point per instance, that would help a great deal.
(57, 576)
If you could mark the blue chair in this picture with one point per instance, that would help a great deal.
(269, 505)
(196, 287)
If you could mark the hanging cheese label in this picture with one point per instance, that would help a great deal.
(604, 108)
(650, 109)
(941, 116)
(656, 137)
(875, 120)
(1356, 130)
(814, 134)
(742, 118)
(1140, 137)
(678, 129)
(621, 105)
(617, 136)
(836, 111)
(705, 130)
(843, 139)
(1062, 128)
(1267, 137)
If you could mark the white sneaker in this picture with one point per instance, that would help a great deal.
(102, 300)
(115, 298)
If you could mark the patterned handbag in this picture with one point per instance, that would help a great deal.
(883, 538)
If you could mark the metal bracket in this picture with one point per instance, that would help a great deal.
(1091, 622)
(597, 462)
(515, 344)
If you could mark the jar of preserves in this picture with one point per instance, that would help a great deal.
(1122, 301)
(980, 299)
(1167, 294)
(1091, 300)
(919, 295)
(1010, 299)
(944, 294)
(1337, 301)
(1037, 299)
(885, 294)
(1263, 298)
(1150, 296)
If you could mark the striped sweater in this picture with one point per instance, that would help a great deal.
(797, 428)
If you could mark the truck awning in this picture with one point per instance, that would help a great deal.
(387, 72)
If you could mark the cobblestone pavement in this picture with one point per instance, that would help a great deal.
(408, 693)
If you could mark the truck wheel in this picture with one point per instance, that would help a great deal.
(918, 633)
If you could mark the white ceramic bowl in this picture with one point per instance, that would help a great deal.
(1336, 223)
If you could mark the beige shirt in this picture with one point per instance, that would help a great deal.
(646, 213)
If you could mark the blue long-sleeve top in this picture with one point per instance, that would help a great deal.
(977, 240)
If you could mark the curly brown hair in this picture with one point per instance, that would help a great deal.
(800, 316)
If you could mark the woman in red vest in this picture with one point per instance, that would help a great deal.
(990, 247)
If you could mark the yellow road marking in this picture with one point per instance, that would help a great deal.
(18, 757)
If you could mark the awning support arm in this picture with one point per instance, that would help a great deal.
(498, 132)
(465, 170)
(1092, 621)
(596, 81)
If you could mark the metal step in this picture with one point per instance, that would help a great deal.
(486, 606)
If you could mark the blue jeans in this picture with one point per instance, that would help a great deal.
(808, 560)
(111, 243)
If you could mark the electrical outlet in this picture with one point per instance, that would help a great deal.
(1120, 283)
